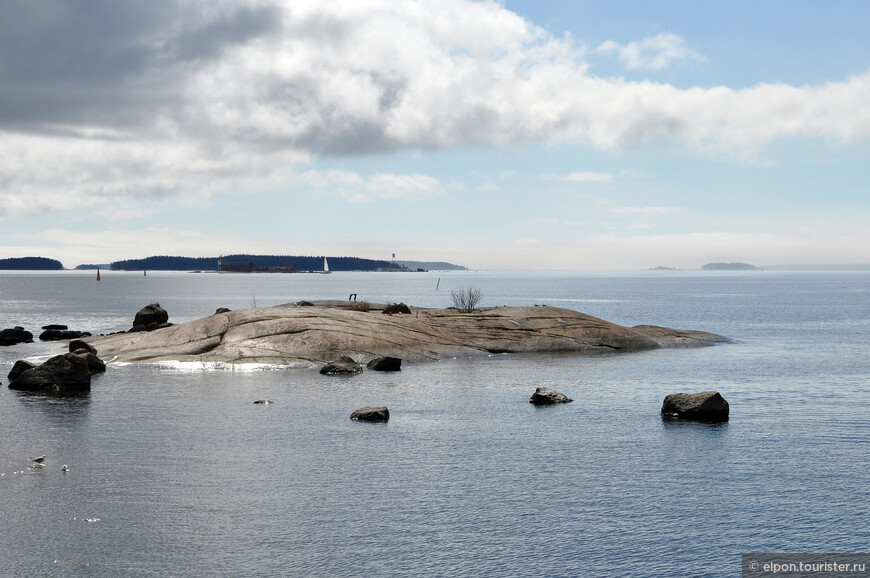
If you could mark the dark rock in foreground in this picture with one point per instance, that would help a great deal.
(20, 367)
(95, 364)
(342, 366)
(149, 314)
(220, 310)
(14, 336)
(547, 396)
(62, 374)
(385, 364)
(703, 406)
(371, 414)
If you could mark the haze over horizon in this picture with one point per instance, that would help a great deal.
(525, 134)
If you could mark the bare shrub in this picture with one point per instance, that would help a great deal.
(361, 306)
(466, 300)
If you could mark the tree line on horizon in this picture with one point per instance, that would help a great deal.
(299, 263)
(30, 264)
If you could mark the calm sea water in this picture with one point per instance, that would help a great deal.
(175, 472)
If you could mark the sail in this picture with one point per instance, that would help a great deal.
(325, 266)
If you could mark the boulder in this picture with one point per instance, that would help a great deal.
(77, 344)
(342, 366)
(385, 364)
(14, 336)
(305, 304)
(547, 396)
(371, 414)
(54, 326)
(702, 406)
(60, 334)
(61, 374)
(20, 367)
(221, 310)
(95, 364)
(397, 308)
(153, 313)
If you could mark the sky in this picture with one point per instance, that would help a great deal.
(512, 135)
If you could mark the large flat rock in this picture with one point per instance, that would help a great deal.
(290, 334)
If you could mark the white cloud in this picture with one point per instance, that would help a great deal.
(652, 53)
(582, 177)
(644, 210)
(192, 99)
(359, 189)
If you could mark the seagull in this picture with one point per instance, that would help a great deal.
(38, 459)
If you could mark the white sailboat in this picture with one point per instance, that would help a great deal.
(325, 267)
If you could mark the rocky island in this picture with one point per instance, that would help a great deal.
(312, 334)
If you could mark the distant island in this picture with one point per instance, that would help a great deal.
(431, 266)
(729, 267)
(30, 264)
(269, 263)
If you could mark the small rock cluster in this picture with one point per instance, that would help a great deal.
(65, 374)
(54, 332)
(345, 365)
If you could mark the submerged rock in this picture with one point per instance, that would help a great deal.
(702, 406)
(344, 365)
(547, 396)
(263, 402)
(371, 414)
(385, 364)
(61, 374)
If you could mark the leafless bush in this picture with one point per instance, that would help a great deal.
(466, 300)
(361, 306)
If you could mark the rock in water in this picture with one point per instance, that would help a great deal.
(385, 364)
(371, 414)
(62, 374)
(95, 364)
(702, 406)
(15, 335)
(59, 334)
(342, 366)
(153, 313)
(547, 396)
(20, 367)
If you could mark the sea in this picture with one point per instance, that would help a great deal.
(173, 471)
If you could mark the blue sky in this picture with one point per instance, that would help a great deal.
(515, 135)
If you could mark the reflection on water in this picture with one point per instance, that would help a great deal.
(175, 471)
